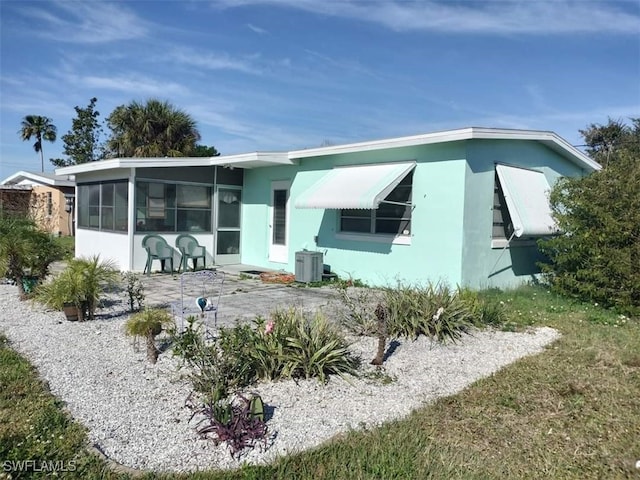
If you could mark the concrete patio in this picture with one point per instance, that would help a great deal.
(244, 296)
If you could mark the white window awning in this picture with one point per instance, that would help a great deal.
(361, 186)
(526, 194)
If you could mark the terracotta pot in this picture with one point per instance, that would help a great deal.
(71, 312)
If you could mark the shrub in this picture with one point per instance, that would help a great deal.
(82, 284)
(135, 290)
(312, 347)
(25, 250)
(358, 315)
(240, 423)
(433, 310)
(148, 324)
(596, 258)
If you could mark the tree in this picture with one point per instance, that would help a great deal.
(205, 151)
(597, 258)
(82, 142)
(154, 129)
(602, 141)
(41, 128)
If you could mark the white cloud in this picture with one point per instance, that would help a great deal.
(258, 30)
(212, 61)
(86, 22)
(531, 17)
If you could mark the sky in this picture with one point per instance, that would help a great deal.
(279, 75)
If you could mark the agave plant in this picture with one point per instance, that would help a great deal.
(148, 324)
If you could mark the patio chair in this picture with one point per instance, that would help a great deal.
(157, 249)
(190, 249)
(199, 297)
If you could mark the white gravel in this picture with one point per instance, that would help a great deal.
(135, 411)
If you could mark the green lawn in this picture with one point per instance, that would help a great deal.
(571, 412)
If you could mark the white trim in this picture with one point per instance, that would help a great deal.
(51, 180)
(264, 159)
(279, 253)
(548, 138)
(375, 237)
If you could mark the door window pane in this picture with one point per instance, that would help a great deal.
(229, 208)
(279, 217)
(228, 243)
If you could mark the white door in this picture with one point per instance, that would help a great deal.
(279, 222)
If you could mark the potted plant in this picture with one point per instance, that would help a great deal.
(78, 288)
(148, 324)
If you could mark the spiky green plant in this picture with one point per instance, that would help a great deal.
(148, 324)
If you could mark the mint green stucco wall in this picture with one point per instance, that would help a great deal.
(517, 264)
(435, 252)
(451, 221)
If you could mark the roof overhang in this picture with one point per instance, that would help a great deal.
(245, 160)
(23, 177)
(269, 159)
(550, 139)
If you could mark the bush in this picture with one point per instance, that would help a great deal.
(413, 310)
(307, 346)
(434, 310)
(596, 258)
(290, 344)
(82, 284)
(25, 250)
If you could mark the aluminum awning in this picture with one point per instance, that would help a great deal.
(526, 194)
(361, 186)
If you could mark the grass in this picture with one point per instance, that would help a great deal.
(572, 412)
(67, 246)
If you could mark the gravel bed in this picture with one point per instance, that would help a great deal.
(135, 412)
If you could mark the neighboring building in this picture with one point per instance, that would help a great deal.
(47, 198)
(462, 206)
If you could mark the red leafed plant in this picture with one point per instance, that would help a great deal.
(240, 424)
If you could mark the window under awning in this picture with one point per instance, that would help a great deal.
(526, 194)
(362, 186)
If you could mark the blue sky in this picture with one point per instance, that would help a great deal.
(289, 74)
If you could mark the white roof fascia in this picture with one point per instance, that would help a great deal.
(245, 160)
(550, 139)
(253, 160)
(26, 177)
(264, 159)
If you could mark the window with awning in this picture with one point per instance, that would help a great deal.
(355, 187)
(525, 193)
(372, 199)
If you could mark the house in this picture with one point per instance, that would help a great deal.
(46, 197)
(461, 206)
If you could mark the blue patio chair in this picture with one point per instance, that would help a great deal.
(157, 249)
(190, 249)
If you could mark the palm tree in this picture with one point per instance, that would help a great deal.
(42, 129)
(154, 129)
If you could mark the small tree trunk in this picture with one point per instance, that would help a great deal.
(152, 351)
(381, 316)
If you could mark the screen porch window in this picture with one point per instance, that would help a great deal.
(170, 207)
(104, 206)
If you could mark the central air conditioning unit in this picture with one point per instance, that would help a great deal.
(309, 266)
